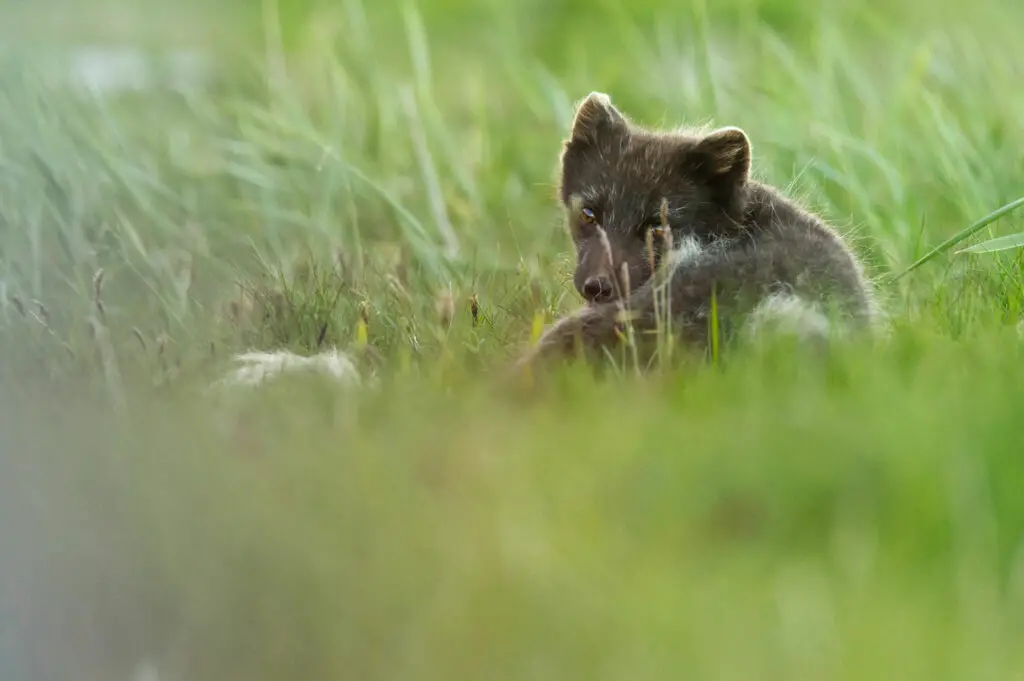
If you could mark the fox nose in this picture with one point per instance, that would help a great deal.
(597, 289)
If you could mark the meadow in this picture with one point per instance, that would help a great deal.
(380, 178)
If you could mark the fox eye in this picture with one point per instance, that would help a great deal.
(587, 216)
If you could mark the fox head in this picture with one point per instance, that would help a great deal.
(631, 194)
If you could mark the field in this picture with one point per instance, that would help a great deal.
(380, 177)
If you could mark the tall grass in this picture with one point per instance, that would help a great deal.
(380, 177)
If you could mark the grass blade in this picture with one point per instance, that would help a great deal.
(1003, 243)
(961, 235)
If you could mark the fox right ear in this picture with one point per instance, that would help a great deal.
(723, 156)
(595, 118)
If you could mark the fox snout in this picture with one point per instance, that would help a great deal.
(602, 277)
(594, 279)
(597, 289)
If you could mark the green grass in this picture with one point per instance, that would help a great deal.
(768, 518)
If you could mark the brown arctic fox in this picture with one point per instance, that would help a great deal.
(668, 225)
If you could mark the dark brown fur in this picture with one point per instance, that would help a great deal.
(620, 183)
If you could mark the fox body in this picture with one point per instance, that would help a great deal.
(665, 223)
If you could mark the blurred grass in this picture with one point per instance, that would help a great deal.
(344, 160)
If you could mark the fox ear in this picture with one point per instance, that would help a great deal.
(596, 117)
(722, 157)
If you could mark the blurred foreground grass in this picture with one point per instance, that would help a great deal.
(762, 519)
(772, 521)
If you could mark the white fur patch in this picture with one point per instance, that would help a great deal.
(789, 314)
(258, 367)
(685, 251)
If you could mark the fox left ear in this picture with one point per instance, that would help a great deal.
(596, 119)
(722, 157)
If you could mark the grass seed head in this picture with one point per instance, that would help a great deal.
(445, 309)
(97, 285)
(18, 305)
(44, 314)
(139, 337)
